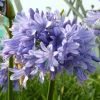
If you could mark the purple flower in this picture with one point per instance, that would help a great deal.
(4, 78)
(47, 56)
(69, 43)
(93, 21)
(46, 43)
(56, 37)
(81, 60)
(92, 17)
(18, 74)
(36, 26)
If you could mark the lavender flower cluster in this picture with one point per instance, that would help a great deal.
(48, 43)
(93, 21)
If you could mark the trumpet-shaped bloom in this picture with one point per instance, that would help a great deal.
(46, 56)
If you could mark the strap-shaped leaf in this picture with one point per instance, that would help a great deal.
(10, 13)
(18, 5)
(4, 20)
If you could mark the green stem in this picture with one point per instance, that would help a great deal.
(18, 5)
(10, 87)
(74, 9)
(99, 49)
(51, 90)
(98, 41)
(82, 8)
(77, 9)
(21, 90)
(70, 8)
(10, 14)
(99, 45)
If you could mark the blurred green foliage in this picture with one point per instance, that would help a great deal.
(3, 33)
(66, 88)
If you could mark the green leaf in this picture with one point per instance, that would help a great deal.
(2, 36)
(61, 13)
(74, 9)
(4, 20)
(18, 5)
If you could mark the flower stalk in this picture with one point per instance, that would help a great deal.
(10, 14)
(74, 9)
(51, 89)
(10, 87)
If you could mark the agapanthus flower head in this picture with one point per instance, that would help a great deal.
(93, 21)
(28, 31)
(46, 43)
(76, 54)
(27, 28)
